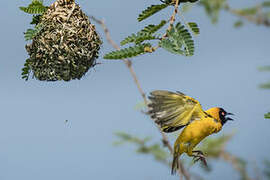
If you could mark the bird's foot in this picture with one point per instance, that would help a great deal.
(199, 156)
(198, 152)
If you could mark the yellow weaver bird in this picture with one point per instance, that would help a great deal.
(173, 111)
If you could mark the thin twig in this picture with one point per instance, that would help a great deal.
(256, 19)
(128, 64)
(126, 61)
(172, 19)
(235, 163)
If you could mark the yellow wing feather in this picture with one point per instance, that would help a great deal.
(173, 110)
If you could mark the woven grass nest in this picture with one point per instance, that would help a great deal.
(67, 45)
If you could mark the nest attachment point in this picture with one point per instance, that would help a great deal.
(67, 45)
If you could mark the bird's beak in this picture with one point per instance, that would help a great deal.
(229, 119)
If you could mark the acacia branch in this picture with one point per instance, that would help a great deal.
(236, 164)
(172, 18)
(258, 19)
(128, 64)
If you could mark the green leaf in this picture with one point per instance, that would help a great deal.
(124, 137)
(153, 28)
(266, 4)
(138, 38)
(247, 11)
(179, 41)
(36, 19)
(194, 28)
(264, 68)
(213, 8)
(156, 150)
(214, 146)
(267, 115)
(26, 70)
(129, 39)
(265, 85)
(172, 2)
(267, 15)
(266, 171)
(31, 33)
(238, 24)
(191, 1)
(36, 7)
(144, 34)
(151, 10)
(169, 2)
(128, 52)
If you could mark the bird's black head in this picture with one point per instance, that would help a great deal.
(222, 116)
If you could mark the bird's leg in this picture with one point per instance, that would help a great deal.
(196, 158)
(199, 156)
(198, 152)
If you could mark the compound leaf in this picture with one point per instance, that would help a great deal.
(128, 52)
(151, 10)
(179, 41)
(36, 7)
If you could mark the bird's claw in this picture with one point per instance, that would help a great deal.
(198, 152)
(199, 156)
(195, 159)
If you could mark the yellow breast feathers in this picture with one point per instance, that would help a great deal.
(173, 111)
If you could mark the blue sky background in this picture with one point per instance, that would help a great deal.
(37, 144)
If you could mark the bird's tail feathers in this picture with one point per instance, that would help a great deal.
(175, 164)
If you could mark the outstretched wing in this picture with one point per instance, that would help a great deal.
(173, 111)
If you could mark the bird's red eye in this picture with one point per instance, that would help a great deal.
(223, 113)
